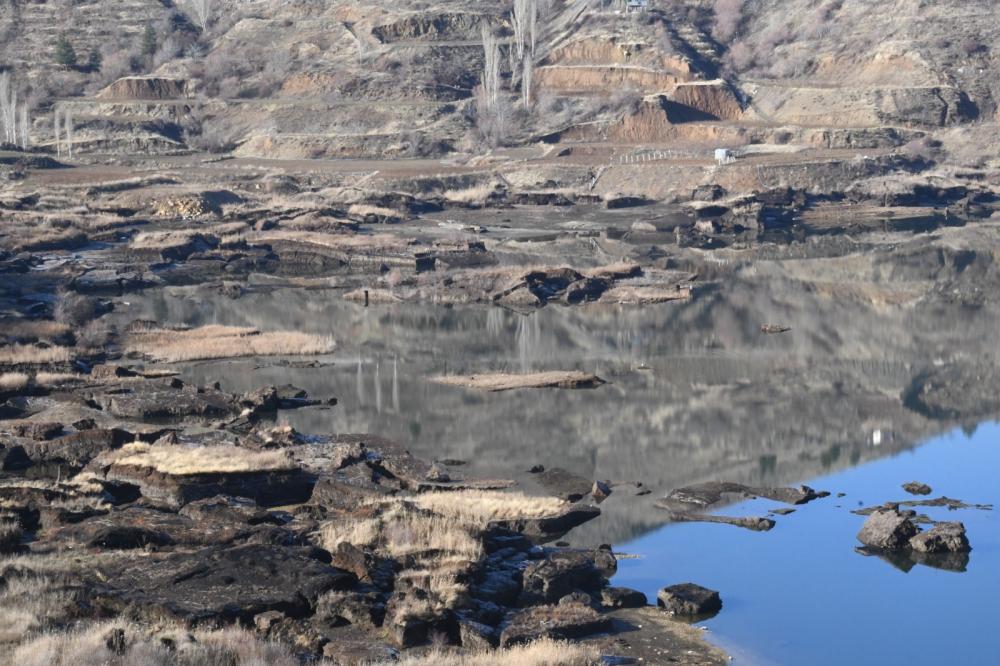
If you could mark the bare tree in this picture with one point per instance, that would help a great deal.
(24, 126)
(68, 118)
(491, 67)
(202, 11)
(8, 104)
(55, 129)
(523, 19)
(529, 67)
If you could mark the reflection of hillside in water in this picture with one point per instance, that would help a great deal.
(696, 392)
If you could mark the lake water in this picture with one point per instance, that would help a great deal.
(800, 594)
(858, 397)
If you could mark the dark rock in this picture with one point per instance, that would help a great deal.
(551, 527)
(917, 488)
(562, 622)
(704, 495)
(345, 489)
(224, 584)
(111, 372)
(754, 523)
(622, 597)
(565, 484)
(476, 636)
(438, 474)
(601, 490)
(536, 469)
(36, 430)
(266, 487)
(942, 538)
(887, 529)
(78, 448)
(560, 573)
(689, 600)
(362, 607)
(268, 619)
(13, 457)
(225, 510)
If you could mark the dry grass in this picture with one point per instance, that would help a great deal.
(364, 210)
(223, 342)
(145, 647)
(33, 329)
(13, 381)
(28, 603)
(162, 240)
(508, 382)
(484, 506)
(361, 243)
(544, 652)
(476, 194)
(29, 354)
(401, 530)
(184, 460)
(51, 379)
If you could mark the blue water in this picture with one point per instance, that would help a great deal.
(800, 594)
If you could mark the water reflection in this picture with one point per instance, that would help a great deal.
(696, 391)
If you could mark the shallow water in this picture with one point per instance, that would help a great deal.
(800, 594)
(696, 393)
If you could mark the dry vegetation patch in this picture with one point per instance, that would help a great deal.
(485, 506)
(544, 652)
(508, 382)
(401, 529)
(206, 342)
(169, 646)
(13, 381)
(33, 329)
(180, 460)
(30, 354)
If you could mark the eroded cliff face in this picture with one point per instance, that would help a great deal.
(843, 65)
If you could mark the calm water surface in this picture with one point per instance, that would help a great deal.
(696, 393)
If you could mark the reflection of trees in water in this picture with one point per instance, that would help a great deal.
(376, 380)
(529, 340)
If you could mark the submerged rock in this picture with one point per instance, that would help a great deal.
(887, 529)
(689, 600)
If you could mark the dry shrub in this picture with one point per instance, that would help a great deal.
(49, 379)
(182, 460)
(13, 381)
(214, 341)
(29, 354)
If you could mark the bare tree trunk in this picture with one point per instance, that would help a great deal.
(24, 126)
(68, 114)
(491, 66)
(529, 67)
(5, 106)
(55, 130)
